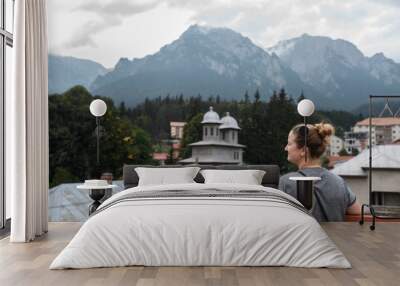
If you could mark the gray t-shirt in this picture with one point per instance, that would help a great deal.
(332, 195)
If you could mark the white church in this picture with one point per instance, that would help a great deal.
(220, 141)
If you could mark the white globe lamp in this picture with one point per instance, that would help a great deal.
(98, 107)
(305, 107)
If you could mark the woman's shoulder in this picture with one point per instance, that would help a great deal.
(329, 178)
(286, 176)
(313, 172)
(330, 174)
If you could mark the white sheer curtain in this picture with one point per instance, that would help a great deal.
(27, 123)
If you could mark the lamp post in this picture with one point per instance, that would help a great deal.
(305, 108)
(305, 184)
(98, 108)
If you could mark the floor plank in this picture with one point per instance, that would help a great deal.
(374, 255)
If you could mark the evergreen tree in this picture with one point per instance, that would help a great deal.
(170, 158)
(264, 125)
(181, 100)
(280, 106)
(355, 152)
(246, 97)
(257, 95)
(72, 138)
(192, 132)
(122, 109)
(301, 97)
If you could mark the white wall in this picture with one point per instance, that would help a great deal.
(386, 180)
(216, 153)
(382, 181)
(336, 144)
(359, 186)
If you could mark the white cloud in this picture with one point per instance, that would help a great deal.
(107, 30)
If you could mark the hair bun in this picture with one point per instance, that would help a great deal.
(324, 129)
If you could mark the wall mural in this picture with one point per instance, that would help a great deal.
(160, 65)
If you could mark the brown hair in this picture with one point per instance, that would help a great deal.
(317, 137)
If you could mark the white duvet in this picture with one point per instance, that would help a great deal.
(200, 231)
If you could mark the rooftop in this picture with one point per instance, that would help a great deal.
(160, 156)
(383, 157)
(333, 160)
(216, 143)
(177, 124)
(228, 122)
(380, 121)
(67, 203)
(211, 117)
(207, 160)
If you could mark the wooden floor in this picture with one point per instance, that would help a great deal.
(375, 256)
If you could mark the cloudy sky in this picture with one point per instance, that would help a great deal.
(106, 30)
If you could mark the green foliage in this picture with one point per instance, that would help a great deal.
(170, 158)
(355, 152)
(343, 152)
(280, 118)
(192, 132)
(264, 124)
(129, 133)
(324, 161)
(301, 97)
(62, 175)
(73, 138)
(342, 120)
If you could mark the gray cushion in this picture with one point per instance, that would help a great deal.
(270, 179)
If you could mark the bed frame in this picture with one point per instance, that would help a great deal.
(270, 179)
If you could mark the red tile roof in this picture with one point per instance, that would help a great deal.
(160, 156)
(380, 121)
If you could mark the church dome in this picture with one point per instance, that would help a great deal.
(211, 117)
(228, 122)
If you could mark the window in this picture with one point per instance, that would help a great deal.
(205, 131)
(180, 132)
(233, 135)
(6, 43)
(211, 131)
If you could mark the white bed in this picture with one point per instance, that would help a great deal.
(184, 230)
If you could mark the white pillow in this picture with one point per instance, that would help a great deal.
(166, 176)
(248, 177)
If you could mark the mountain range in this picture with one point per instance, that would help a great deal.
(220, 61)
(65, 72)
(338, 70)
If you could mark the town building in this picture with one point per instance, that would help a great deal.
(220, 141)
(335, 145)
(385, 174)
(174, 142)
(355, 141)
(177, 129)
(384, 130)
